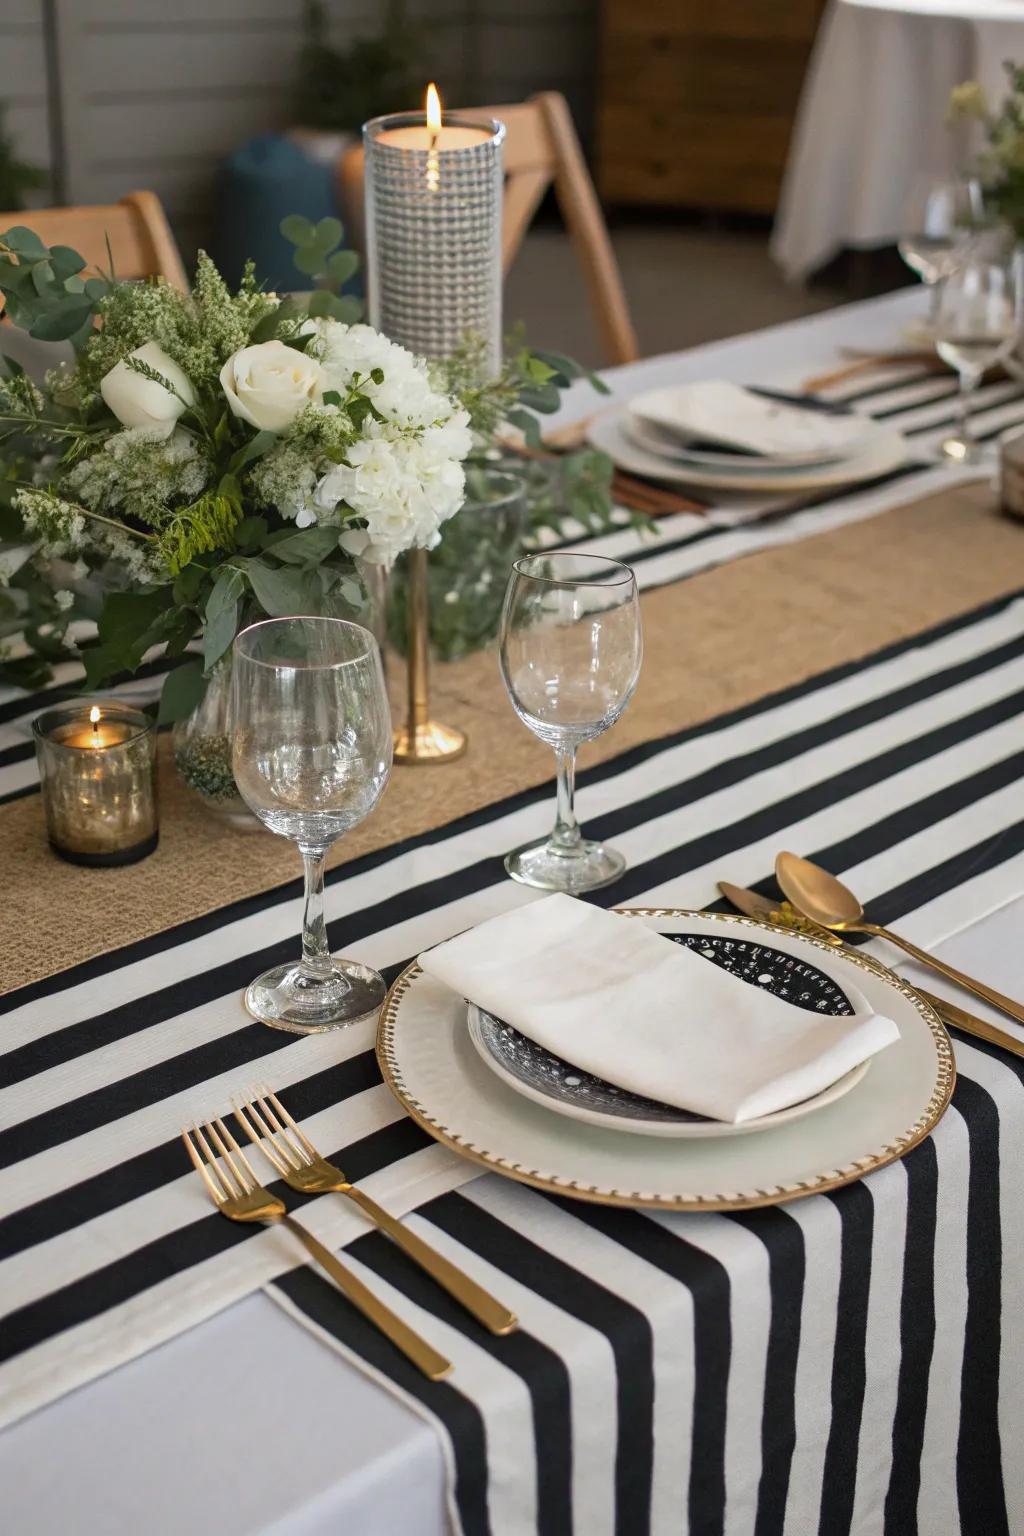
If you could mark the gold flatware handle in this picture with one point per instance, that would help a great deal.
(990, 995)
(484, 1307)
(423, 1355)
(970, 1024)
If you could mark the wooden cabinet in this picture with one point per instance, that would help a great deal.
(697, 98)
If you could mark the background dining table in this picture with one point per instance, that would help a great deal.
(248, 1422)
(873, 117)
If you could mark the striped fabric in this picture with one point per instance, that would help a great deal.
(843, 1364)
(920, 405)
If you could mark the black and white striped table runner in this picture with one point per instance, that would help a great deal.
(923, 407)
(850, 1353)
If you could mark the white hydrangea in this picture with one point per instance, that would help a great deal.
(405, 397)
(64, 599)
(404, 476)
(404, 488)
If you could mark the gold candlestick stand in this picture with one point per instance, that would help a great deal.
(422, 740)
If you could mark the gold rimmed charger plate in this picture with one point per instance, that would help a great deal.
(430, 1065)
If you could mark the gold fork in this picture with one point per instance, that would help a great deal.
(268, 1124)
(238, 1194)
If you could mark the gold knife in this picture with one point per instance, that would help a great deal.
(784, 915)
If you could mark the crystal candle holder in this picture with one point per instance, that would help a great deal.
(97, 768)
(433, 232)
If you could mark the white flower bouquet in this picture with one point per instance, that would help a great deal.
(208, 458)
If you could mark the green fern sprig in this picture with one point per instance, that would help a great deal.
(201, 528)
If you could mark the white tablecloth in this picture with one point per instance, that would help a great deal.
(177, 1440)
(873, 116)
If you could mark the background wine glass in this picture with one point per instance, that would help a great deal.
(311, 756)
(939, 216)
(570, 652)
(977, 325)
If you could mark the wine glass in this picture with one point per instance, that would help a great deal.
(570, 652)
(940, 214)
(311, 754)
(977, 325)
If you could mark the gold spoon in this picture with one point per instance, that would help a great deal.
(825, 900)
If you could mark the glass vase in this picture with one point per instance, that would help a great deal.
(468, 569)
(202, 752)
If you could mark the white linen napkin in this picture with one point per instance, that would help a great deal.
(716, 411)
(614, 997)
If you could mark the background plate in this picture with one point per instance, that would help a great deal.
(608, 432)
(429, 1063)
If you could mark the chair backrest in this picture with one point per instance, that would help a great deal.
(541, 150)
(140, 237)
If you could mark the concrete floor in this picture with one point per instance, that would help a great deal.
(684, 285)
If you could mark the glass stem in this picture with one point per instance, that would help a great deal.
(566, 835)
(934, 296)
(968, 384)
(316, 954)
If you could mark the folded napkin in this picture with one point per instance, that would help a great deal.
(715, 411)
(610, 995)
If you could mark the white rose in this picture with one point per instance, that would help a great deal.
(270, 383)
(140, 402)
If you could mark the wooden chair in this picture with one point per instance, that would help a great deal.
(541, 149)
(140, 237)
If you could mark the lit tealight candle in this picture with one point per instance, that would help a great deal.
(97, 773)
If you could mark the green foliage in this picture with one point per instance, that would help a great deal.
(1001, 165)
(199, 529)
(16, 176)
(44, 292)
(317, 255)
(339, 89)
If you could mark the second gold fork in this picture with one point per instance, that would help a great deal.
(268, 1125)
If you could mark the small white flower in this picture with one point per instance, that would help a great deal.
(270, 383)
(64, 600)
(140, 402)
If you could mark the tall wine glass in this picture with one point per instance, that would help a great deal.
(311, 754)
(977, 325)
(940, 214)
(570, 653)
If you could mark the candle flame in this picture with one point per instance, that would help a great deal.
(94, 717)
(433, 109)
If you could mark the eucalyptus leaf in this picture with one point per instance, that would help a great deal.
(298, 229)
(328, 233)
(221, 619)
(307, 546)
(342, 265)
(183, 692)
(281, 593)
(65, 262)
(23, 242)
(309, 259)
(528, 425)
(255, 448)
(60, 324)
(42, 277)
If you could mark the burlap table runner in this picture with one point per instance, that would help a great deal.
(713, 643)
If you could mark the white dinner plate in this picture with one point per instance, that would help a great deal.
(429, 1062)
(608, 432)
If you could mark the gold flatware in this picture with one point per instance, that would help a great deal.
(826, 901)
(269, 1126)
(238, 1195)
(866, 364)
(784, 915)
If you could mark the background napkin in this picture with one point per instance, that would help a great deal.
(610, 995)
(716, 411)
